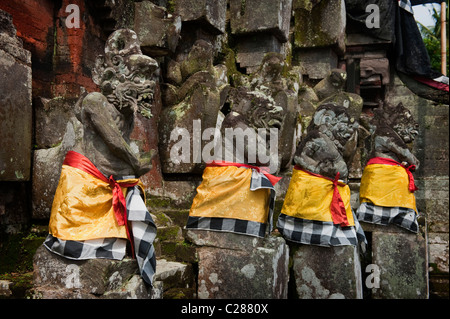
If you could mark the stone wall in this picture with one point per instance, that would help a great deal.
(213, 57)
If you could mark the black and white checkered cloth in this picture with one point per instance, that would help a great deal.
(400, 216)
(406, 5)
(245, 227)
(312, 232)
(144, 232)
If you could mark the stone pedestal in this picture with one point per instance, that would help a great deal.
(15, 104)
(240, 267)
(56, 277)
(399, 258)
(326, 272)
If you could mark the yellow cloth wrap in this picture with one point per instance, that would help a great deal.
(82, 208)
(225, 193)
(386, 185)
(309, 197)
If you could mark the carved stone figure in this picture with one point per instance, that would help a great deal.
(125, 77)
(387, 184)
(395, 127)
(322, 150)
(316, 208)
(98, 208)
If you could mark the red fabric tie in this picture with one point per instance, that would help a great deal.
(264, 170)
(337, 206)
(388, 161)
(119, 204)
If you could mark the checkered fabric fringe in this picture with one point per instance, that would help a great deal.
(400, 216)
(144, 232)
(245, 227)
(406, 5)
(312, 232)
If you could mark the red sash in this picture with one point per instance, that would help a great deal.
(264, 170)
(388, 161)
(337, 206)
(81, 162)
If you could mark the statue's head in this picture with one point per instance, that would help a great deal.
(334, 121)
(126, 76)
(399, 118)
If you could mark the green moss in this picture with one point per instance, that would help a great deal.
(168, 233)
(171, 6)
(158, 202)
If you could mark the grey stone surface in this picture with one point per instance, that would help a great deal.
(157, 30)
(258, 267)
(403, 264)
(269, 16)
(319, 24)
(211, 13)
(316, 63)
(56, 277)
(15, 105)
(326, 272)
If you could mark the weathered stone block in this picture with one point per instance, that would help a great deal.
(15, 105)
(259, 267)
(403, 265)
(51, 118)
(157, 30)
(174, 276)
(319, 24)
(211, 13)
(57, 277)
(268, 16)
(251, 50)
(316, 63)
(326, 272)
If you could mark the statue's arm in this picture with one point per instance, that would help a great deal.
(385, 144)
(103, 123)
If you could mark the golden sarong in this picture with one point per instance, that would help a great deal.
(386, 185)
(83, 207)
(225, 193)
(309, 197)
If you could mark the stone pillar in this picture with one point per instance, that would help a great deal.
(326, 272)
(319, 35)
(233, 266)
(15, 104)
(400, 262)
(261, 27)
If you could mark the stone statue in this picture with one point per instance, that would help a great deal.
(387, 184)
(99, 205)
(125, 77)
(322, 150)
(316, 208)
(253, 115)
(395, 128)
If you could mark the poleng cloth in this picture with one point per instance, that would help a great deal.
(315, 197)
(387, 183)
(233, 197)
(87, 205)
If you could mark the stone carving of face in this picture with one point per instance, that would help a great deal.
(125, 75)
(264, 114)
(335, 122)
(400, 119)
